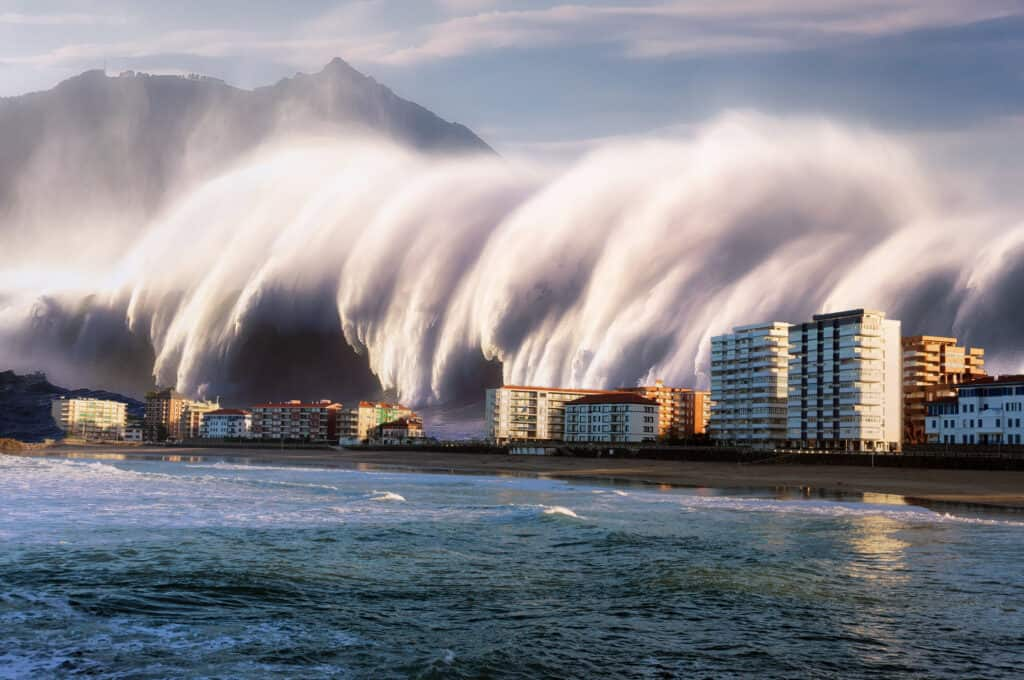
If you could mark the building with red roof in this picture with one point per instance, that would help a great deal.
(296, 420)
(611, 417)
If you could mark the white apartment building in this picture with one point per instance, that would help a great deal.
(522, 413)
(612, 417)
(986, 411)
(89, 418)
(845, 382)
(749, 387)
(226, 423)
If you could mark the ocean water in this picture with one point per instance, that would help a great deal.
(155, 569)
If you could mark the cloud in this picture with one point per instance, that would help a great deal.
(60, 19)
(658, 30)
(390, 33)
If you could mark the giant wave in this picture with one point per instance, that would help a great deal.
(319, 265)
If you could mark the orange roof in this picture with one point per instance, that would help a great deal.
(299, 404)
(554, 389)
(613, 398)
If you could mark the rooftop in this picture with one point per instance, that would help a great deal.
(325, 403)
(613, 398)
(994, 380)
(228, 412)
(571, 390)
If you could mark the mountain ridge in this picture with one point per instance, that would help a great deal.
(25, 405)
(99, 155)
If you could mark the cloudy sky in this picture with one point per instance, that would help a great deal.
(537, 73)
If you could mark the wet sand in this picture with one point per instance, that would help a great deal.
(993, 488)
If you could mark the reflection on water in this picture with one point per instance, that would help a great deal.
(150, 568)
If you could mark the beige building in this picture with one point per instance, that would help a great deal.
(407, 430)
(374, 413)
(191, 421)
(516, 412)
(96, 419)
(163, 414)
(932, 368)
(682, 412)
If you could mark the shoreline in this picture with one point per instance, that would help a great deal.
(991, 489)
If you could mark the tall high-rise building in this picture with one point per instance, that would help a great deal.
(846, 382)
(163, 414)
(932, 367)
(95, 419)
(682, 412)
(514, 412)
(749, 369)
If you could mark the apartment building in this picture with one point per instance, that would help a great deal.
(514, 412)
(163, 414)
(845, 382)
(192, 413)
(348, 426)
(987, 411)
(932, 368)
(296, 420)
(749, 385)
(226, 423)
(95, 419)
(374, 413)
(611, 417)
(402, 431)
(682, 412)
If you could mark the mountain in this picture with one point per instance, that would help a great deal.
(104, 153)
(25, 405)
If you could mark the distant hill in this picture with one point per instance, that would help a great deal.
(99, 155)
(25, 405)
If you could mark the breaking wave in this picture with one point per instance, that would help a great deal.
(323, 265)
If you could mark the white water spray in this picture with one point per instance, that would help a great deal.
(615, 270)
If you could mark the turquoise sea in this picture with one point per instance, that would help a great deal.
(212, 569)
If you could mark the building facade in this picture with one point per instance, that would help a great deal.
(749, 385)
(611, 417)
(682, 412)
(374, 413)
(932, 368)
(515, 412)
(402, 431)
(163, 414)
(846, 382)
(226, 423)
(192, 413)
(296, 420)
(95, 419)
(988, 411)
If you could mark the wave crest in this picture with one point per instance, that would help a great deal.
(613, 271)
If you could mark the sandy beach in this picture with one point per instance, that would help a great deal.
(1002, 489)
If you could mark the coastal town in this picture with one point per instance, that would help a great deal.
(842, 382)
